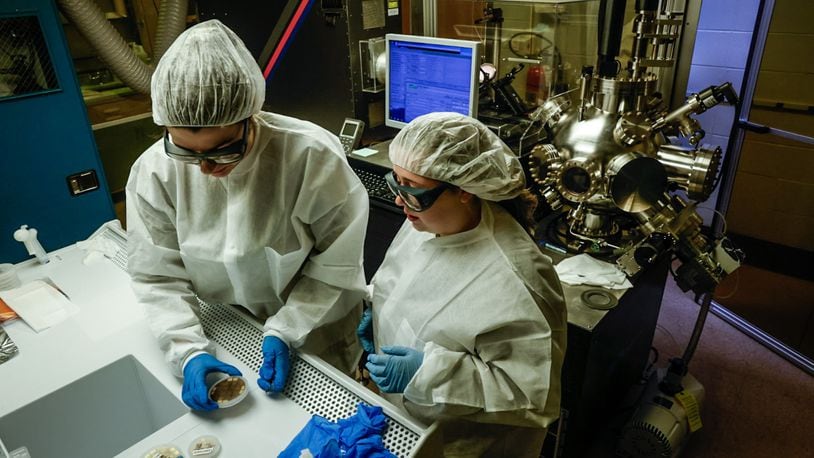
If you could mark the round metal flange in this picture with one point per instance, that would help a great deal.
(599, 299)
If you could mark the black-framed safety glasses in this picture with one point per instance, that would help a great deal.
(228, 154)
(416, 199)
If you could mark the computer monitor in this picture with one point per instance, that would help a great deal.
(428, 74)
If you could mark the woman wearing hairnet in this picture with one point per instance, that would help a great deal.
(239, 206)
(468, 319)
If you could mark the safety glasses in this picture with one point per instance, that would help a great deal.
(416, 199)
(228, 154)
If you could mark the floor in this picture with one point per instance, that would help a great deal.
(757, 404)
(781, 305)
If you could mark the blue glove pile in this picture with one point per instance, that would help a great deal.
(195, 393)
(393, 370)
(276, 365)
(358, 436)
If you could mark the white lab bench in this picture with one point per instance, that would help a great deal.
(79, 389)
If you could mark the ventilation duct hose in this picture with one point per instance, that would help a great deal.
(172, 19)
(111, 47)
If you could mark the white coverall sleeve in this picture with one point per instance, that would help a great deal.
(332, 280)
(158, 276)
(506, 379)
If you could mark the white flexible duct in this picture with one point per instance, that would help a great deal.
(172, 19)
(106, 40)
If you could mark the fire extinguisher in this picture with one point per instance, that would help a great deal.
(536, 86)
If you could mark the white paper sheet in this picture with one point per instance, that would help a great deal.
(583, 269)
(39, 304)
(364, 152)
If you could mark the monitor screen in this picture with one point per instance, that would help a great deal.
(428, 74)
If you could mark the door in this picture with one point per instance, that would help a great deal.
(51, 178)
(768, 198)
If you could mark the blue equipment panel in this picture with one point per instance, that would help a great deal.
(46, 137)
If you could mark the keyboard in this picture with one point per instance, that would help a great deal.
(375, 185)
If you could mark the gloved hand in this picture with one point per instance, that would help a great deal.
(365, 331)
(195, 393)
(393, 370)
(276, 365)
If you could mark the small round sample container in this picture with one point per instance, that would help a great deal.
(164, 451)
(229, 390)
(204, 446)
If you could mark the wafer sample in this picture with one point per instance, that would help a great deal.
(204, 446)
(164, 451)
(228, 391)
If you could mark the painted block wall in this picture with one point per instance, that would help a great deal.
(721, 50)
(773, 188)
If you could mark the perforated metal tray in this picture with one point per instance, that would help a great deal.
(308, 386)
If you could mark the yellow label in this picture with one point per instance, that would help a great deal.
(691, 406)
(392, 4)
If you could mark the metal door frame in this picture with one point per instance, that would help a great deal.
(730, 166)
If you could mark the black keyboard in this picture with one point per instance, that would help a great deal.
(376, 186)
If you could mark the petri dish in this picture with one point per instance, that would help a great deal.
(229, 390)
(164, 451)
(204, 446)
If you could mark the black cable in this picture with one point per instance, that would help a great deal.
(652, 363)
(536, 34)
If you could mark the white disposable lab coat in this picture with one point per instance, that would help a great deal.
(282, 235)
(486, 308)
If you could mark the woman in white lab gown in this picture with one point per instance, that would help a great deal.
(250, 208)
(468, 318)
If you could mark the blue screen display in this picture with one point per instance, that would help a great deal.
(425, 78)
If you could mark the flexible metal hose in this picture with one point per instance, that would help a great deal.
(172, 19)
(113, 50)
(107, 41)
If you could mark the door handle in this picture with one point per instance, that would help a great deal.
(753, 127)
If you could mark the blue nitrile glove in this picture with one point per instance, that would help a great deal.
(276, 364)
(195, 393)
(393, 370)
(365, 331)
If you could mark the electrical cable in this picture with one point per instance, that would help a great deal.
(699, 326)
(529, 56)
(668, 333)
(734, 289)
(723, 218)
(652, 363)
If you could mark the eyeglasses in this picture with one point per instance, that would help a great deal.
(416, 199)
(228, 154)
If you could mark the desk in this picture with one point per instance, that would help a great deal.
(110, 326)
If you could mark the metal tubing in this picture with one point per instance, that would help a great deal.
(699, 326)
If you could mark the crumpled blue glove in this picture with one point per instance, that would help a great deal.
(393, 370)
(276, 365)
(365, 331)
(195, 393)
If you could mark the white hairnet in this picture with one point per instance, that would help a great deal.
(206, 78)
(461, 151)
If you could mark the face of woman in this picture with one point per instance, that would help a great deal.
(208, 139)
(454, 211)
